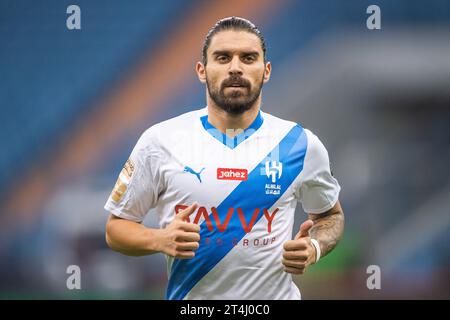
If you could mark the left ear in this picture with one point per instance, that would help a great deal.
(267, 71)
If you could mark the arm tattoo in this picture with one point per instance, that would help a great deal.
(328, 228)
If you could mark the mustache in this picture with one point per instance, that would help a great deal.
(235, 81)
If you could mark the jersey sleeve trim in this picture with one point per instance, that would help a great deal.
(119, 213)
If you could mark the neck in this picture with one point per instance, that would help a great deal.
(230, 124)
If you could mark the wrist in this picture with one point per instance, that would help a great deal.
(316, 246)
(154, 239)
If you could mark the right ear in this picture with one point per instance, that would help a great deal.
(201, 72)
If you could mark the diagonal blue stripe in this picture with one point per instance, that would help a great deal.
(186, 273)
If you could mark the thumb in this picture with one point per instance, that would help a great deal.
(187, 212)
(304, 229)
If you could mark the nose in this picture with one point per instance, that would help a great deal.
(235, 66)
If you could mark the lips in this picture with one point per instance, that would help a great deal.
(236, 82)
(236, 85)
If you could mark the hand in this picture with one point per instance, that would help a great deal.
(180, 239)
(299, 253)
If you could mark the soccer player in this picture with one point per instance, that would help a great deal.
(224, 181)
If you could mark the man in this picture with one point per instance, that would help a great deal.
(224, 182)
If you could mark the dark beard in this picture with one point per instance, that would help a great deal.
(232, 104)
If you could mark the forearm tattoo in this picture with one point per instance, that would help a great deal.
(328, 229)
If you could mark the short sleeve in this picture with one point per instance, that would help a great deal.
(138, 185)
(319, 190)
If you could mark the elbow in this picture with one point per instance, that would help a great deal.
(108, 236)
(108, 240)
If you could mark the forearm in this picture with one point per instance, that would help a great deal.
(328, 228)
(131, 238)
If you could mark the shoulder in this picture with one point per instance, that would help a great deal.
(316, 153)
(313, 142)
(315, 149)
(184, 120)
(155, 135)
(276, 122)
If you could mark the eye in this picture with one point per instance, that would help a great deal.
(249, 58)
(222, 58)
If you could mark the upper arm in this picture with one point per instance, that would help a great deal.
(112, 220)
(318, 190)
(335, 210)
(115, 223)
(112, 217)
(137, 188)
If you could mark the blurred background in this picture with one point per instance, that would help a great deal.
(74, 102)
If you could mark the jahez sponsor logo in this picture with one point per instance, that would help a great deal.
(232, 174)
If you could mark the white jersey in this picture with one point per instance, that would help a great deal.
(247, 188)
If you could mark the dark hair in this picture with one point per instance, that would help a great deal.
(232, 23)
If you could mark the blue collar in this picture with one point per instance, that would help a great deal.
(232, 142)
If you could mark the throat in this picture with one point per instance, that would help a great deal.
(231, 125)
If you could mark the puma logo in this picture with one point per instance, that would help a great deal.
(197, 174)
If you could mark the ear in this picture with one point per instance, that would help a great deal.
(201, 72)
(267, 71)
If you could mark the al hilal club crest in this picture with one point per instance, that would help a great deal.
(274, 169)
